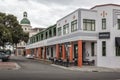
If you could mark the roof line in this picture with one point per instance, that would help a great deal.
(106, 5)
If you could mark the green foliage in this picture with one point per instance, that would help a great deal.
(5, 35)
(10, 30)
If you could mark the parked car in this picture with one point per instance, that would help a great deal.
(8, 53)
(30, 56)
(3, 56)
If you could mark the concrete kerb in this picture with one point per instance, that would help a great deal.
(43, 61)
(88, 68)
(13, 66)
(17, 67)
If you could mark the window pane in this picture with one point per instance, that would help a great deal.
(103, 48)
(73, 25)
(88, 25)
(103, 23)
(66, 29)
(118, 23)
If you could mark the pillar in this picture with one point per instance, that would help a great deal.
(38, 51)
(57, 51)
(71, 52)
(35, 52)
(80, 53)
(63, 52)
(27, 51)
(44, 52)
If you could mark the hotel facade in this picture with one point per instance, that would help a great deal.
(92, 34)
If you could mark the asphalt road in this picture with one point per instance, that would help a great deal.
(35, 70)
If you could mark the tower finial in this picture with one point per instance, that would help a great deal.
(25, 14)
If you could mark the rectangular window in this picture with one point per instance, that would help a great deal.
(59, 31)
(74, 26)
(50, 33)
(54, 31)
(42, 36)
(118, 23)
(46, 35)
(92, 49)
(66, 29)
(104, 23)
(88, 25)
(117, 51)
(103, 48)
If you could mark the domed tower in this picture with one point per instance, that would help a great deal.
(25, 20)
(25, 23)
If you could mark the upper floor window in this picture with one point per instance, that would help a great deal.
(74, 26)
(42, 36)
(118, 23)
(54, 31)
(104, 23)
(46, 35)
(66, 29)
(25, 28)
(59, 31)
(50, 33)
(88, 25)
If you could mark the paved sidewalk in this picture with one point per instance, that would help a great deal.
(9, 66)
(88, 68)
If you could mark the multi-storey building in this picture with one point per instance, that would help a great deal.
(92, 34)
(26, 26)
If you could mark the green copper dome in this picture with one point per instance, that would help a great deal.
(24, 21)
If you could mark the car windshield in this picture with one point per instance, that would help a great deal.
(8, 52)
(2, 53)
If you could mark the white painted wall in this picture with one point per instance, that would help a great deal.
(89, 14)
(88, 54)
(110, 60)
(67, 19)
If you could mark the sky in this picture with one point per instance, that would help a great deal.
(44, 13)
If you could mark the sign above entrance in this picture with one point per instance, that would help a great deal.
(104, 35)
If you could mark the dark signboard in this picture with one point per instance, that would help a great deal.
(104, 35)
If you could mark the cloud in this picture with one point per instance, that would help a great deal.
(43, 13)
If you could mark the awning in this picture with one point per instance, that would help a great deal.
(117, 41)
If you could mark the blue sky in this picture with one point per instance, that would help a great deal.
(43, 13)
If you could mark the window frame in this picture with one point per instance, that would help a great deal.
(91, 24)
(92, 49)
(59, 31)
(74, 26)
(103, 23)
(103, 48)
(66, 29)
(118, 21)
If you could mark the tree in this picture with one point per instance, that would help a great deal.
(10, 30)
(5, 35)
(25, 37)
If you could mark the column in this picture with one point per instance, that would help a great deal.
(71, 52)
(44, 52)
(63, 52)
(35, 53)
(80, 53)
(57, 51)
(26, 51)
(40, 53)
